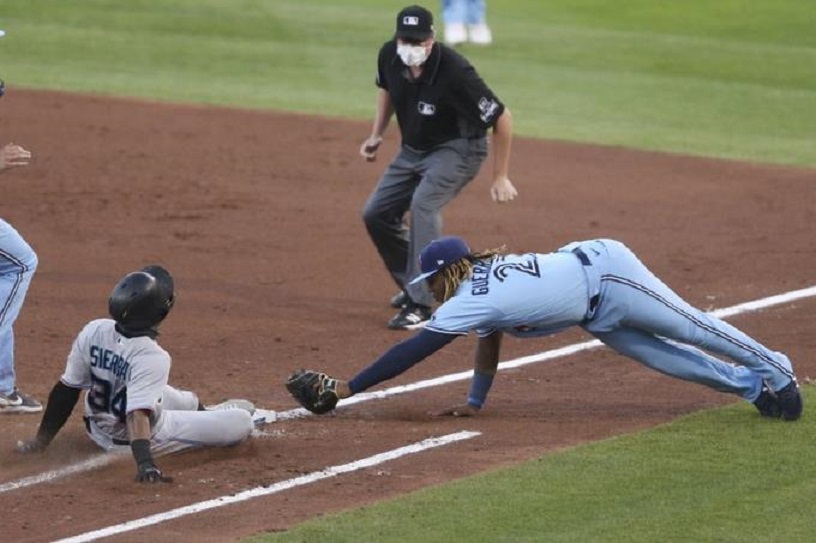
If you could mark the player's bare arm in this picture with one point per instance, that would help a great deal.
(138, 424)
(485, 365)
(61, 403)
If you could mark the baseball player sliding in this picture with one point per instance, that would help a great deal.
(599, 285)
(129, 402)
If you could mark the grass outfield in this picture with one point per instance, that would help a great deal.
(724, 475)
(732, 78)
(729, 78)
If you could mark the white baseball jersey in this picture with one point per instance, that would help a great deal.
(124, 374)
(121, 375)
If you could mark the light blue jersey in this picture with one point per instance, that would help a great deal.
(524, 295)
(603, 287)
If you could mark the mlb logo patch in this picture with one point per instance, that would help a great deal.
(410, 20)
(488, 109)
(425, 108)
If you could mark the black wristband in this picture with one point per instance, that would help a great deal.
(141, 451)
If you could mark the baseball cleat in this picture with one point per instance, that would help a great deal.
(245, 405)
(790, 401)
(17, 402)
(410, 317)
(399, 299)
(767, 403)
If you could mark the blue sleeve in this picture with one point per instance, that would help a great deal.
(400, 358)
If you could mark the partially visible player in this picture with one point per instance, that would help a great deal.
(129, 402)
(599, 285)
(18, 262)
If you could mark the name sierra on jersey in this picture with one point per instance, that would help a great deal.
(105, 359)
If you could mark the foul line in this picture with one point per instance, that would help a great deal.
(277, 487)
(89, 464)
(269, 416)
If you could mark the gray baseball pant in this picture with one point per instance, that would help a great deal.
(422, 182)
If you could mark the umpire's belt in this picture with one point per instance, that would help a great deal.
(593, 301)
(116, 441)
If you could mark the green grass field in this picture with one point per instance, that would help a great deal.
(725, 475)
(725, 78)
(732, 78)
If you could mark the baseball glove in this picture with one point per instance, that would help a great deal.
(315, 391)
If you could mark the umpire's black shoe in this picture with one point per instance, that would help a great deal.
(790, 401)
(410, 317)
(767, 403)
(399, 299)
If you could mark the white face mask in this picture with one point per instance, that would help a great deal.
(412, 55)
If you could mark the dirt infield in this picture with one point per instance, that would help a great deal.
(258, 217)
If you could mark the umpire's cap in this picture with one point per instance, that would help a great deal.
(414, 23)
(439, 254)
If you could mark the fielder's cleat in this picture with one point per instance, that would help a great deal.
(17, 402)
(399, 299)
(767, 403)
(790, 401)
(410, 317)
(245, 405)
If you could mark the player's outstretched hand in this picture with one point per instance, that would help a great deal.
(148, 472)
(503, 190)
(462, 410)
(12, 155)
(30, 446)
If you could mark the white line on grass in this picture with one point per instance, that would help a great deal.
(272, 489)
(272, 416)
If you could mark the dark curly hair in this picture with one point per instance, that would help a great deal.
(462, 269)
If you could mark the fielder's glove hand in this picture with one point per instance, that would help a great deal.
(148, 472)
(315, 391)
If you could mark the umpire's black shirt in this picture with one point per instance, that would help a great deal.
(448, 101)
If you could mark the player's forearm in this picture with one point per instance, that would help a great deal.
(138, 424)
(484, 368)
(487, 354)
(502, 140)
(61, 402)
(399, 358)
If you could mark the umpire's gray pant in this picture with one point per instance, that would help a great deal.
(422, 182)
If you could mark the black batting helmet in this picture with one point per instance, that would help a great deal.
(142, 299)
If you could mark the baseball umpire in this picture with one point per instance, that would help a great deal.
(129, 402)
(444, 110)
(599, 285)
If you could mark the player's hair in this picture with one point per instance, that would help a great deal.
(462, 269)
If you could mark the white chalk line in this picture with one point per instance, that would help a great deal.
(273, 416)
(272, 489)
(88, 464)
